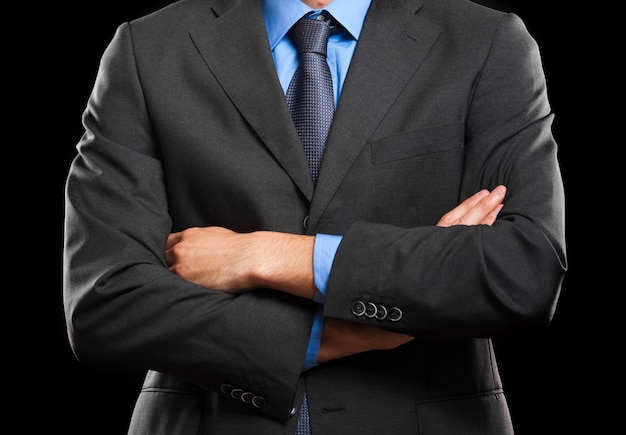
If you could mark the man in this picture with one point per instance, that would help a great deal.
(262, 299)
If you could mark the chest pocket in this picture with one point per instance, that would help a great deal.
(418, 143)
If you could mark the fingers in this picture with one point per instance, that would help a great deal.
(172, 239)
(481, 208)
(493, 215)
(451, 217)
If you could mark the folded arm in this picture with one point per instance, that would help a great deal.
(221, 259)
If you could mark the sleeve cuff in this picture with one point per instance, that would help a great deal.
(323, 255)
(315, 340)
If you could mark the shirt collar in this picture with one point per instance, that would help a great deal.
(280, 15)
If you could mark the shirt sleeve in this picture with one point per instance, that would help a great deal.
(323, 255)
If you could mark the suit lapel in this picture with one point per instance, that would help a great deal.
(242, 62)
(380, 69)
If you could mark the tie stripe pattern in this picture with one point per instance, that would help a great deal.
(310, 96)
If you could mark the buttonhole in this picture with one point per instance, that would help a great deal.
(327, 410)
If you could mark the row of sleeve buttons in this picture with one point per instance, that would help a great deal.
(245, 397)
(376, 311)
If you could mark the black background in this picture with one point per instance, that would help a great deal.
(554, 379)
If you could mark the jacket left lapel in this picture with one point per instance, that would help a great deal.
(242, 62)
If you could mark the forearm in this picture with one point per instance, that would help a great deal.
(220, 259)
(341, 338)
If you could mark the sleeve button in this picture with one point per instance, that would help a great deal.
(247, 397)
(226, 388)
(381, 312)
(358, 308)
(394, 314)
(370, 309)
(259, 402)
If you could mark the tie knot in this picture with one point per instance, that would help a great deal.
(310, 35)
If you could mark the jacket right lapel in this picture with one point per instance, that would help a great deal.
(380, 69)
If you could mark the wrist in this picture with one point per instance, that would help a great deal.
(284, 262)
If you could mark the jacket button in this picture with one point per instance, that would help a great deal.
(305, 221)
(370, 309)
(226, 389)
(394, 314)
(381, 312)
(247, 397)
(358, 308)
(259, 402)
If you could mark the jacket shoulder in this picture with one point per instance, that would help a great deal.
(175, 14)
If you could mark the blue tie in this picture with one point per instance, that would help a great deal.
(311, 102)
(304, 424)
(310, 96)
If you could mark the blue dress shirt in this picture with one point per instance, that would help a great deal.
(280, 16)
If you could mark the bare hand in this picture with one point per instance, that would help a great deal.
(220, 259)
(481, 208)
(213, 257)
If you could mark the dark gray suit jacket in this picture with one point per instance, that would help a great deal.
(187, 126)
